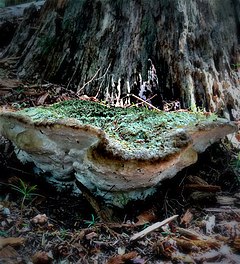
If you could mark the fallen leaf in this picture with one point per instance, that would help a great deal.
(41, 100)
(41, 257)
(123, 258)
(186, 218)
(91, 235)
(145, 218)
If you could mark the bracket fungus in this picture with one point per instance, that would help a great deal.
(119, 153)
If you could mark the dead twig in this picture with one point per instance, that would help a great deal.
(144, 102)
(152, 228)
(85, 84)
(102, 77)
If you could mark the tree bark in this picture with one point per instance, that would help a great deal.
(175, 49)
(11, 17)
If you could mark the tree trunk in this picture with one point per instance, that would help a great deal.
(175, 49)
(11, 17)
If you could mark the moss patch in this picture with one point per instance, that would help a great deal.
(133, 128)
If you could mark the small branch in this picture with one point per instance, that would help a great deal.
(92, 79)
(85, 84)
(102, 80)
(147, 100)
(152, 228)
(144, 102)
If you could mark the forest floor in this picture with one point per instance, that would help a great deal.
(193, 218)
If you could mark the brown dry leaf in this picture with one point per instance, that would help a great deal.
(91, 235)
(41, 100)
(145, 217)
(12, 241)
(41, 257)
(186, 218)
(123, 258)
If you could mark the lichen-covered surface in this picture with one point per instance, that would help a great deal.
(138, 131)
(124, 151)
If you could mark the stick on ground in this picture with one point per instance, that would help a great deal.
(152, 228)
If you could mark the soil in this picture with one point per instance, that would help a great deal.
(43, 225)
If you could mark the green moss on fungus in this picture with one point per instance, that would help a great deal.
(133, 128)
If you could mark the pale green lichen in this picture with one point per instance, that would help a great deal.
(133, 128)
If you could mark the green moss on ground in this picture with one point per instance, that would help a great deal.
(134, 127)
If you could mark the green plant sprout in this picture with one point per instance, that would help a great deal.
(26, 191)
(236, 162)
(3, 233)
(63, 233)
(91, 222)
(236, 66)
